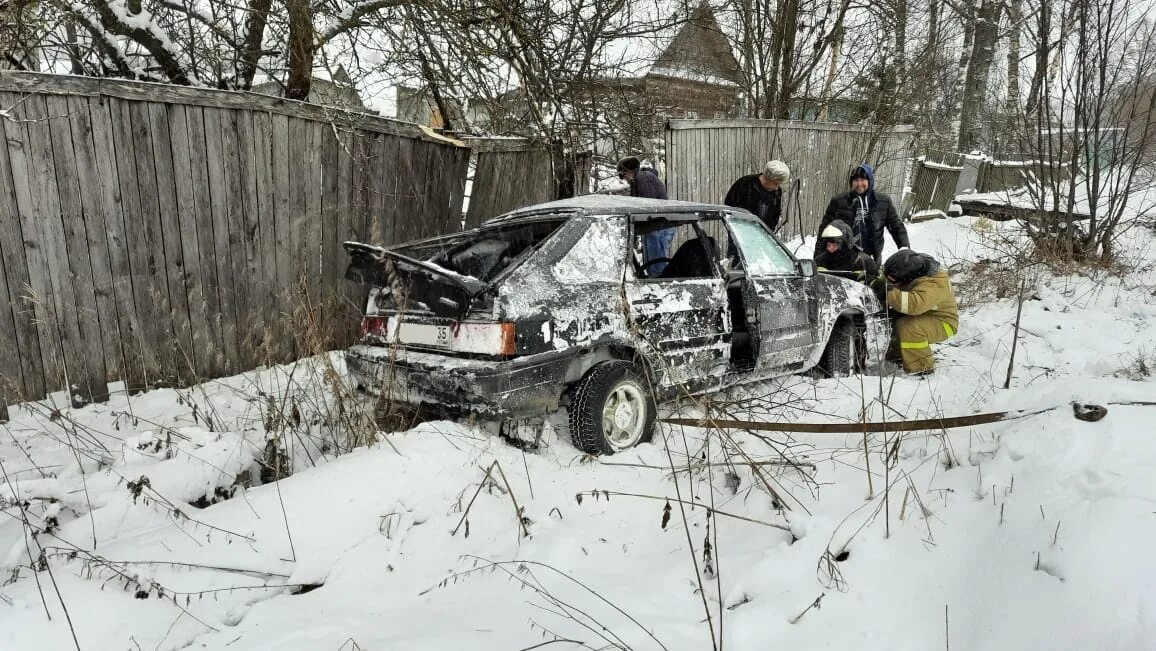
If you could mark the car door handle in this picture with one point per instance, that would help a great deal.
(646, 301)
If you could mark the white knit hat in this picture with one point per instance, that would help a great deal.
(777, 170)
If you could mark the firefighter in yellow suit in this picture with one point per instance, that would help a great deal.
(924, 308)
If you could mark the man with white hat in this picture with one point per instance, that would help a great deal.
(762, 194)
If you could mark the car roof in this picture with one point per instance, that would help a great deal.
(604, 204)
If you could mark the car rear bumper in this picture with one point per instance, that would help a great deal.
(519, 388)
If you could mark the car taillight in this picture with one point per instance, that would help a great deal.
(374, 325)
(485, 338)
(509, 343)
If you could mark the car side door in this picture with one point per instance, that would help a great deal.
(678, 314)
(779, 293)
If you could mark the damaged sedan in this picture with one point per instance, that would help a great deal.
(558, 307)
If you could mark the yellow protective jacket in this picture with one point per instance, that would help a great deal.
(929, 295)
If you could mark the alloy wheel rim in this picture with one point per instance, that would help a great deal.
(624, 415)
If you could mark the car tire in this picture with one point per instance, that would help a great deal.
(841, 357)
(612, 409)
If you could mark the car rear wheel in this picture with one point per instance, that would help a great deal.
(841, 357)
(612, 409)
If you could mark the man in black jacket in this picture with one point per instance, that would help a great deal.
(761, 194)
(868, 212)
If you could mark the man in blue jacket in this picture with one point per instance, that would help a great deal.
(868, 211)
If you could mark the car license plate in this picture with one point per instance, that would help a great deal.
(421, 334)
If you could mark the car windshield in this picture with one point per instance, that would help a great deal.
(762, 254)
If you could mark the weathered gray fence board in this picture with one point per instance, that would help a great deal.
(310, 264)
(201, 217)
(264, 281)
(141, 223)
(387, 197)
(932, 187)
(235, 207)
(15, 263)
(77, 294)
(165, 232)
(704, 157)
(199, 357)
(503, 174)
(10, 386)
(95, 200)
(219, 208)
(12, 255)
(31, 154)
(330, 148)
(116, 206)
(253, 328)
(179, 344)
(427, 163)
(283, 149)
(348, 307)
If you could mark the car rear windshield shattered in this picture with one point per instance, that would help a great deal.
(479, 255)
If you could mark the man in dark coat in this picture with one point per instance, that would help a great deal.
(644, 183)
(841, 254)
(868, 211)
(761, 194)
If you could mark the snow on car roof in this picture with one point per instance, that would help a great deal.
(609, 204)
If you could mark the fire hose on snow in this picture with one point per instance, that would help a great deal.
(1081, 411)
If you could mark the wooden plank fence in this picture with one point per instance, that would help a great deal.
(933, 187)
(514, 174)
(704, 157)
(160, 235)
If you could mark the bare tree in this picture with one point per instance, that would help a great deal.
(782, 46)
(985, 19)
(1091, 126)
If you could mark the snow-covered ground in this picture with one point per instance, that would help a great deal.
(1027, 534)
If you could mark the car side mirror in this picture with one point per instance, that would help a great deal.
(806, 268)
(734, 275)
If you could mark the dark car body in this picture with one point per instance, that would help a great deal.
(501, 320)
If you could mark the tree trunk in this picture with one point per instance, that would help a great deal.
(300, 49)
(73, 48)
(770, 88)
(254, 37)
(899, 71)
(1043, 49)
(836, 49)
(788, 25)
(932, 28)
(967, 15)
(1013, 58)
(975, 81)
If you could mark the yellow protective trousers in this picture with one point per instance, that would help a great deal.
(914, 336)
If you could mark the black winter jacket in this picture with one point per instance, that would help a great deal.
(880, 214)
(747, 193)
(647, 185)
(849, 257)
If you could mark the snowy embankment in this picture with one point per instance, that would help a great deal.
(1030, 533)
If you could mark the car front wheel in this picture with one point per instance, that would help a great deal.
(842, 356)
(612, 409)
